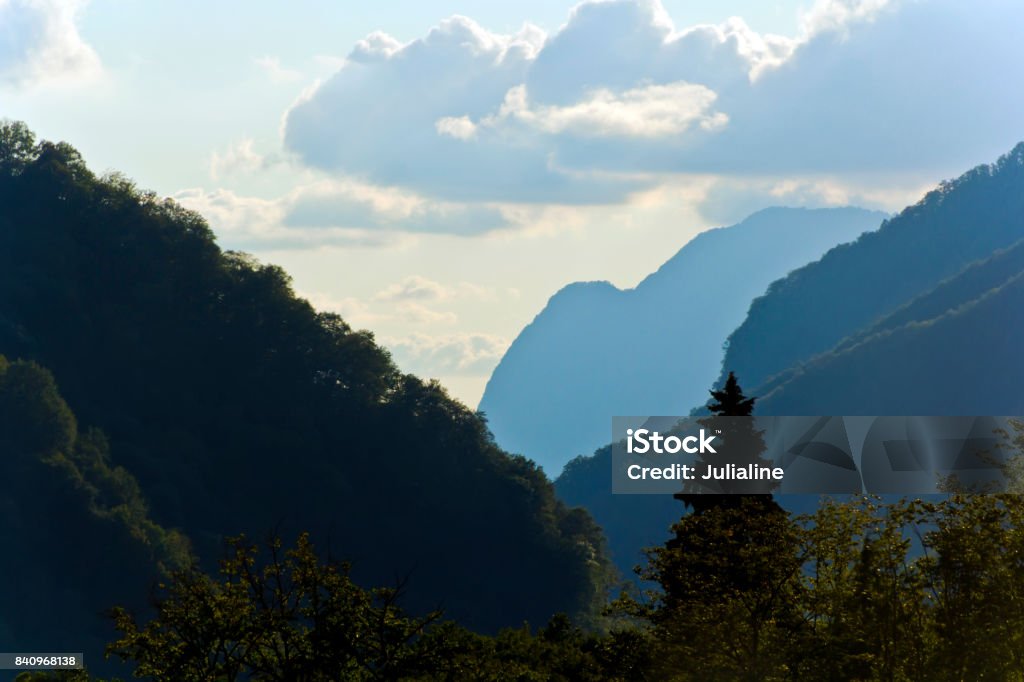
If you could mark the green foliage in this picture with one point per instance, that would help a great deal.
(286, 615)
(17, 146)
(856, 591)
(58, 676)
(33, 416)
(730, 589)
(292, 618)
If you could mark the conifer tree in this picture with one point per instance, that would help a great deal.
(731, 410)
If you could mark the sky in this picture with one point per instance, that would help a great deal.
(434, 170)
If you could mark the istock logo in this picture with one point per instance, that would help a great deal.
(643, 441)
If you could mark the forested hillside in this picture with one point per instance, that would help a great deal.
(965, 360)
(240, 408)
(853, 285)
(76, 531)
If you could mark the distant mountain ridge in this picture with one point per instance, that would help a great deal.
(922, 317)
(595, 350)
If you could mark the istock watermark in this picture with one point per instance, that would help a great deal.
(906, 455)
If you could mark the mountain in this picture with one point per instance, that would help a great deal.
(238, 408)
(853, 285)
(78, 534)
(952, 351)
(921, 317)
(631, 523)
(596, 351)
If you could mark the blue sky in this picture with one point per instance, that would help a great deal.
(434, 170)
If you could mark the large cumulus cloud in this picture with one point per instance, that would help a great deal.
(619, 96)
(39, 42)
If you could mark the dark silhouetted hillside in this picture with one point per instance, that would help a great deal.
(240, 408)
(965, 360)
(76, 531)
(596, 351)
(853, 285)
(631, 523)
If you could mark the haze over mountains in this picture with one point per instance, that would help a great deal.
(921, 317)
(596, 351)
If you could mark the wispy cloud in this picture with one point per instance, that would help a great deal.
(238, 157)
(419, 288)
(271, 66)
(447, 354)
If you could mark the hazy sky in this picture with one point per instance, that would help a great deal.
(436, 169)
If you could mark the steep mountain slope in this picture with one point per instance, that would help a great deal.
(596, 351)
(964, 360)
(76, 530)
(631, 523)
(950, 350)
(239, 408)
(814, 308)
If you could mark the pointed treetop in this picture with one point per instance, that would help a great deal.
(730, 401)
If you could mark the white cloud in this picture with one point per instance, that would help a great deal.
(354, 311)
(240, 156)
(40, 43)
(363, 315)
(730, 200)
(419, 288)
(447, 354)
(414, 287)
(248, 222)
(459, 127)
(619, 98)
(341, 211)
(370, 315)
(349, 202)
(377, 46)
(650, 111)
(419, 314)
(271, 66)
(840, 15)
(380, 115)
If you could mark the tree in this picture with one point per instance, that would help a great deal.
(17, 146)
(728, 604)
(730, 401)
(286, 616)
(732, 418)
(729, 577)
(290, 618)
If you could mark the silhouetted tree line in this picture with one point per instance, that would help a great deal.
(858, 590)
(838, 595)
